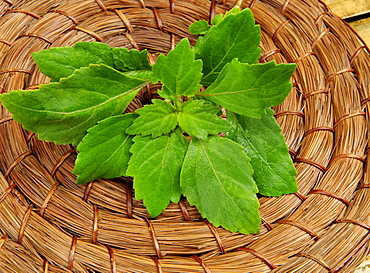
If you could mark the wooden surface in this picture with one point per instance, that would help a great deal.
(349, 8)
(356, 12)
(362, 26)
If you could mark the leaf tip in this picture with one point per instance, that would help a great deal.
(79, 180)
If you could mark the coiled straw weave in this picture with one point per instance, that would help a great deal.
(49, 224)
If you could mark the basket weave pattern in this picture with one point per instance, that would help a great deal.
(49, 224)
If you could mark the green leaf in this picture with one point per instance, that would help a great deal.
(63, 112)
(130, 60)
(179, 72)
(220, 17)
(199, 27)
(142, 74)
(232, 11)
(105, 151)
(60, 62)
(216, 177)
(217, 19)
(199, 119)
(250, 89)
(155, 119)
(236, 36)
(274, 171)
(155, 166)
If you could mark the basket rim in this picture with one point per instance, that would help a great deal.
(325, 122)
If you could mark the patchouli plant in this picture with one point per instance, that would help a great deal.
(179, 144)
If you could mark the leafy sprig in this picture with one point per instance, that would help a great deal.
(174, 145)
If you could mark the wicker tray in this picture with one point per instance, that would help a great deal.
(48, 224)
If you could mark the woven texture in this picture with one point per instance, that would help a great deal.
(49, 224)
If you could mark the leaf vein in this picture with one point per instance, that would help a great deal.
(219, 181)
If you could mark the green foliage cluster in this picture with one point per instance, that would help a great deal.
(173, 146)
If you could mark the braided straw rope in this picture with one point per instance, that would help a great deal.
(49, 224)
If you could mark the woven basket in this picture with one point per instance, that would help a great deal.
(49, 224)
